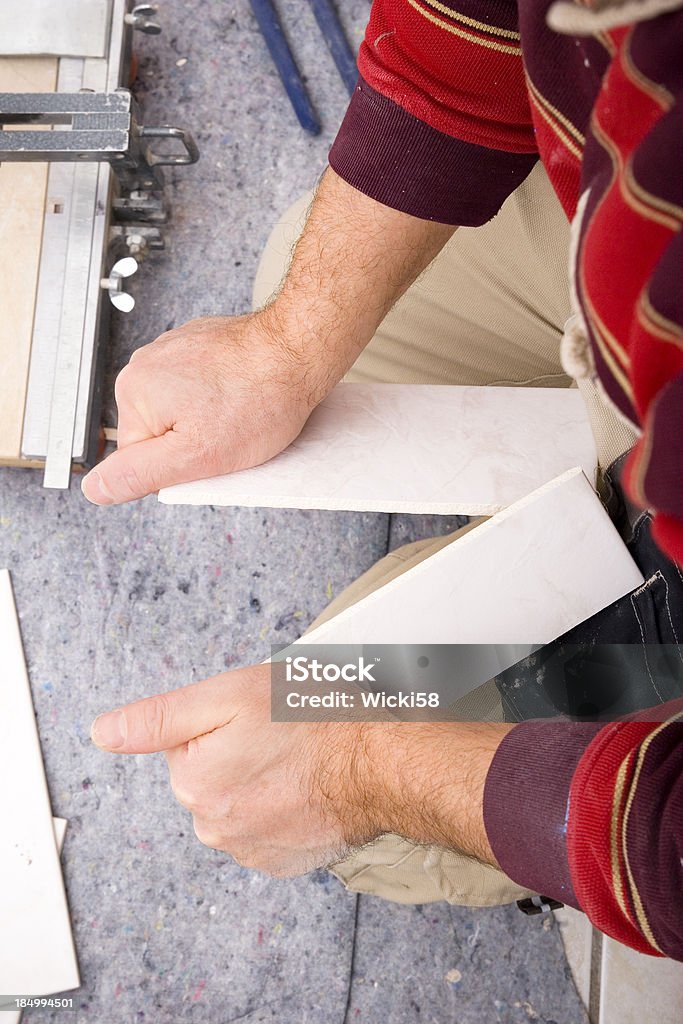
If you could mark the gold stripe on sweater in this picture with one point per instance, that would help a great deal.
(488, 44)
(557, 130)
(660, 326)
(614, 837)
(652, 207)
(643, 922)
(494, 30)
(564, 121)
(610, 349)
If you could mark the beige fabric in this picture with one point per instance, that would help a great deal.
(401, 871)
(489, 310)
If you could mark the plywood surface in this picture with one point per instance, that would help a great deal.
(22, 205)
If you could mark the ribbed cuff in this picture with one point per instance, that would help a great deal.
(526, 803)
(393, 157)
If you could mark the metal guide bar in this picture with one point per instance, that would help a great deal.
(73, 75)
(51, 277)
(76, 241)
(94, 77)
(120, 46)
(71, 326)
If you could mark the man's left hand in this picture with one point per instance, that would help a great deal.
(280, 797)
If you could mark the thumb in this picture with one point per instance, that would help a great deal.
(135, 471)
(169, 719)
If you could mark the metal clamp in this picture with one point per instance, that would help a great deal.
(533, 905)
(93, 127)
(113, 284)
(190, 156)
(139, 18)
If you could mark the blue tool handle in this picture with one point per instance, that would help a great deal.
(337, 43)
(270, 26)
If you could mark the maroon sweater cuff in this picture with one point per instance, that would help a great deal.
(393, 157)
(526, 803)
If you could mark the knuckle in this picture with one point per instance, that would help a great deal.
(122, 380)
(185, 796)
(130, 483)
(156, 718)
(208, 835)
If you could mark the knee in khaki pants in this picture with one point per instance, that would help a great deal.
(399, 870)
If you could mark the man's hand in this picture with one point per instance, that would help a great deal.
(225, 393)
(280, 797)
(215, 395)
(285, 797)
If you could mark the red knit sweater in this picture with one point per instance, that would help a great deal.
(456, 101)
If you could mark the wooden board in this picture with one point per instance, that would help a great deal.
(22, 208)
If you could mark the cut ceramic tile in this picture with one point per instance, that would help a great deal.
(59, 825)
(577, 938)
(525, 576)
(638, 989)
(37, 951)
(415, 448)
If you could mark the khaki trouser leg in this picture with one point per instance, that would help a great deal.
(490, 310)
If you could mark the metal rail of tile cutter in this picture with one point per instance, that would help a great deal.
(104, 213)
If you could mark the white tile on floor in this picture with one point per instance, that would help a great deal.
(37, 955)
(59, 824)
(413, 448)
(577, 937)
(639, 989)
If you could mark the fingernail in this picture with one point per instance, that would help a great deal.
(94, 489)
(109, 730)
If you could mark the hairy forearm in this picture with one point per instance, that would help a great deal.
(428, 782)
(353, 261)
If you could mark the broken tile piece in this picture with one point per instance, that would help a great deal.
(38, 955)
(415, 448)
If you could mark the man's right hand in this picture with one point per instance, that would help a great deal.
(225, 393)
(215, 395)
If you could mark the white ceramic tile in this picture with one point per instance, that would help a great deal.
(415, 448)
(525, 576)
(639, 989)
(577, 937)
(37, 954)
(59, 825)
